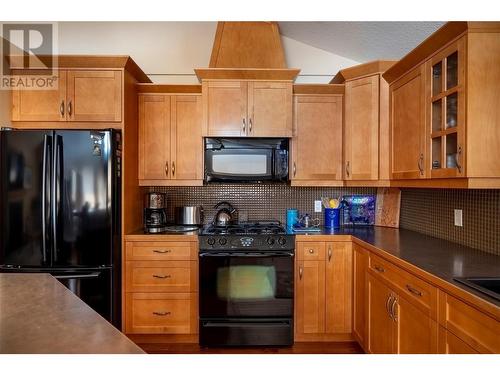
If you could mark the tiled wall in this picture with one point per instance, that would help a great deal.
(256, 201)
(431, 211)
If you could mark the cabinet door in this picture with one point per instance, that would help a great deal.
(362, 129)
(416, 332)
(225, 108)
(380, 323)
(186, 138)
(41, 105)
(360, 259)
(407, 101)
(94, 95)
(269, 109)
(451, 344)
(310, 299)
(338, 277)
(317, 142)
(154, 137)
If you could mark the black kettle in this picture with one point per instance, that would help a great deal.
(224, 216)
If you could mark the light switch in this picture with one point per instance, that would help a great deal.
(458, 218)
(317, 206)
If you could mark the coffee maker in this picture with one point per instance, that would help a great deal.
(155, 213)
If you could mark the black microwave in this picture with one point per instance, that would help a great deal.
(246, 159)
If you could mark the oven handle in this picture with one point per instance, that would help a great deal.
(247, 254)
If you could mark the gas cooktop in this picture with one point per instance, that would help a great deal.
(257, 227)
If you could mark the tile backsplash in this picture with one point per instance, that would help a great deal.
(428, 211)
(431, 211)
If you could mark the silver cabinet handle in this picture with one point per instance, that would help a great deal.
(250, 125)
(161, 313)
(329, 253)
(413, 290)
(173, 168)
(162, 251)
(347, 169)
(311, 251)
(70, 108)
(457, 159)
(388, 304)
(244, 126)
(421, 164)
(162, 276)
(166, 168)
(61, 108)
(394, 312)
(379, 269)
(294, 169)
(301, 271)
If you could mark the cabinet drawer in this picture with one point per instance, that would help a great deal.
(174, 313)
(310, 250)
(162, 276)
(164, 250)
(475, 328)
(414, 289)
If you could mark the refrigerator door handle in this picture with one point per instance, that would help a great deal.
(56, 192)
(92, 275)
(46, 153)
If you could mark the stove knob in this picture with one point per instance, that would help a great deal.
(223, 241)
(281, 241)
(211, 241)
(270, 241)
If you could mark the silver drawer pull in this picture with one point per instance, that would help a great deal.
(162, 251)
(379, 269)
(413, 290)
(311, 251)
(161, 313)
(162, 276)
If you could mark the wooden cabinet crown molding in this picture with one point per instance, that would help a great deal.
(247, 74)
(152, 88)
(318, 89)
(362, 70)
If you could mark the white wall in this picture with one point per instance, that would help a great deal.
(169, 51)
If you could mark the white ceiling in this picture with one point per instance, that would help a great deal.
(361, 41)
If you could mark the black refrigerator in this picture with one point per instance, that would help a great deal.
(60, 210)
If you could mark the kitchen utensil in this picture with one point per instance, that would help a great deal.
(307, 222)
(326, 202)
(155, 215)
(332, 217)
(189, 215)
(224, 215)
(292, 217)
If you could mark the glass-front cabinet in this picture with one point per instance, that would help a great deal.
(446, 111)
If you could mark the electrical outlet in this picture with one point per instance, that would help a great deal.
(458, 218)
(317, 206)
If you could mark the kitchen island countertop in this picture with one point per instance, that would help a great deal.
(39, 315)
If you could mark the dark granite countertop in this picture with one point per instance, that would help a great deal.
(39, 315)
(444, 259)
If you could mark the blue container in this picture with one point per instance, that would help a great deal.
(332, 217)
(292, 217)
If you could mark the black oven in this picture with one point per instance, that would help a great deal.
(246, 297)
(246, 159)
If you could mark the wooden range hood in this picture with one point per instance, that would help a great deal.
(247, 50)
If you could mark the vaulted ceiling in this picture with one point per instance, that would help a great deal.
(361, 41)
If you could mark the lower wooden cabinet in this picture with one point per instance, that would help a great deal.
(161, 288)
(323, 285)
(451, 344)
(360, 266)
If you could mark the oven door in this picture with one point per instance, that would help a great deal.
(239, 164)
(246, 284)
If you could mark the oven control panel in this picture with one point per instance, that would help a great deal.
(261, 242)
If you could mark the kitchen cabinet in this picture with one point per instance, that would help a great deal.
(247, 108)
(81, 96)
(402, 311)
(170, 142)
(444, 109)
(360, 267)
(317, 141)
(323, 303)
(161, 288)
(408, 155)
(451, 344)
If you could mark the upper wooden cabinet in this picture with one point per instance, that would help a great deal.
(81, 95)
(323, 304)
(445, 109)
(247, 108)
(317, 140)
(170, 141)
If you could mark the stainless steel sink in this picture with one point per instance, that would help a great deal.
(486, 285)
